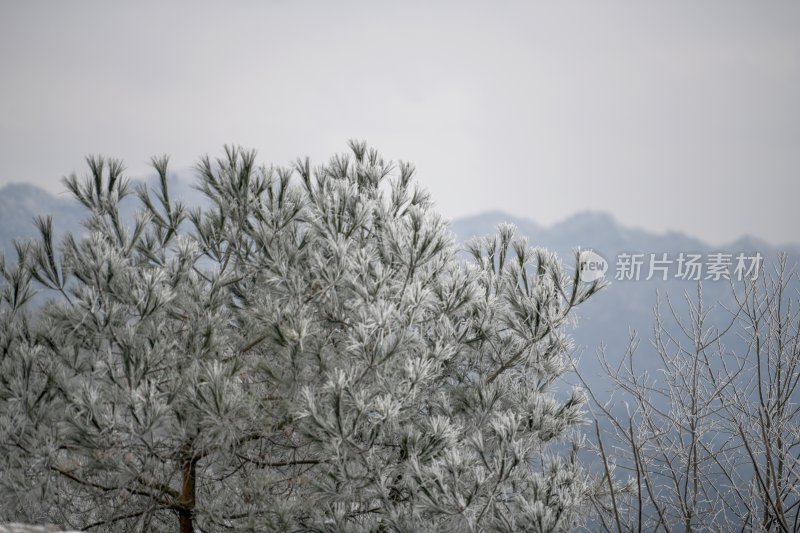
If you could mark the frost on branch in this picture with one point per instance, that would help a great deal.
(306, 351)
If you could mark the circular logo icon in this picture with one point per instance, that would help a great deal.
(592, 266)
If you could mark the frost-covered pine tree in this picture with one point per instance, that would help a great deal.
(306, 352)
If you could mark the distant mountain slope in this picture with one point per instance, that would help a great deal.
(603, 321)
(607, 319)
(21, 203)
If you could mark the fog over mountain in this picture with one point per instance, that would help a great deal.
(607, 319)
(21, 203)
(604, 321)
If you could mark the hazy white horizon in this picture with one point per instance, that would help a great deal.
(679, 116)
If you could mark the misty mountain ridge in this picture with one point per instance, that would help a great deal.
(597, 230)
(608, 318)
(605, 320)
(20, 203)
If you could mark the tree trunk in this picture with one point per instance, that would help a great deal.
(186, 514)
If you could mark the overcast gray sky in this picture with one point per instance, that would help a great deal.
(670, 115)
